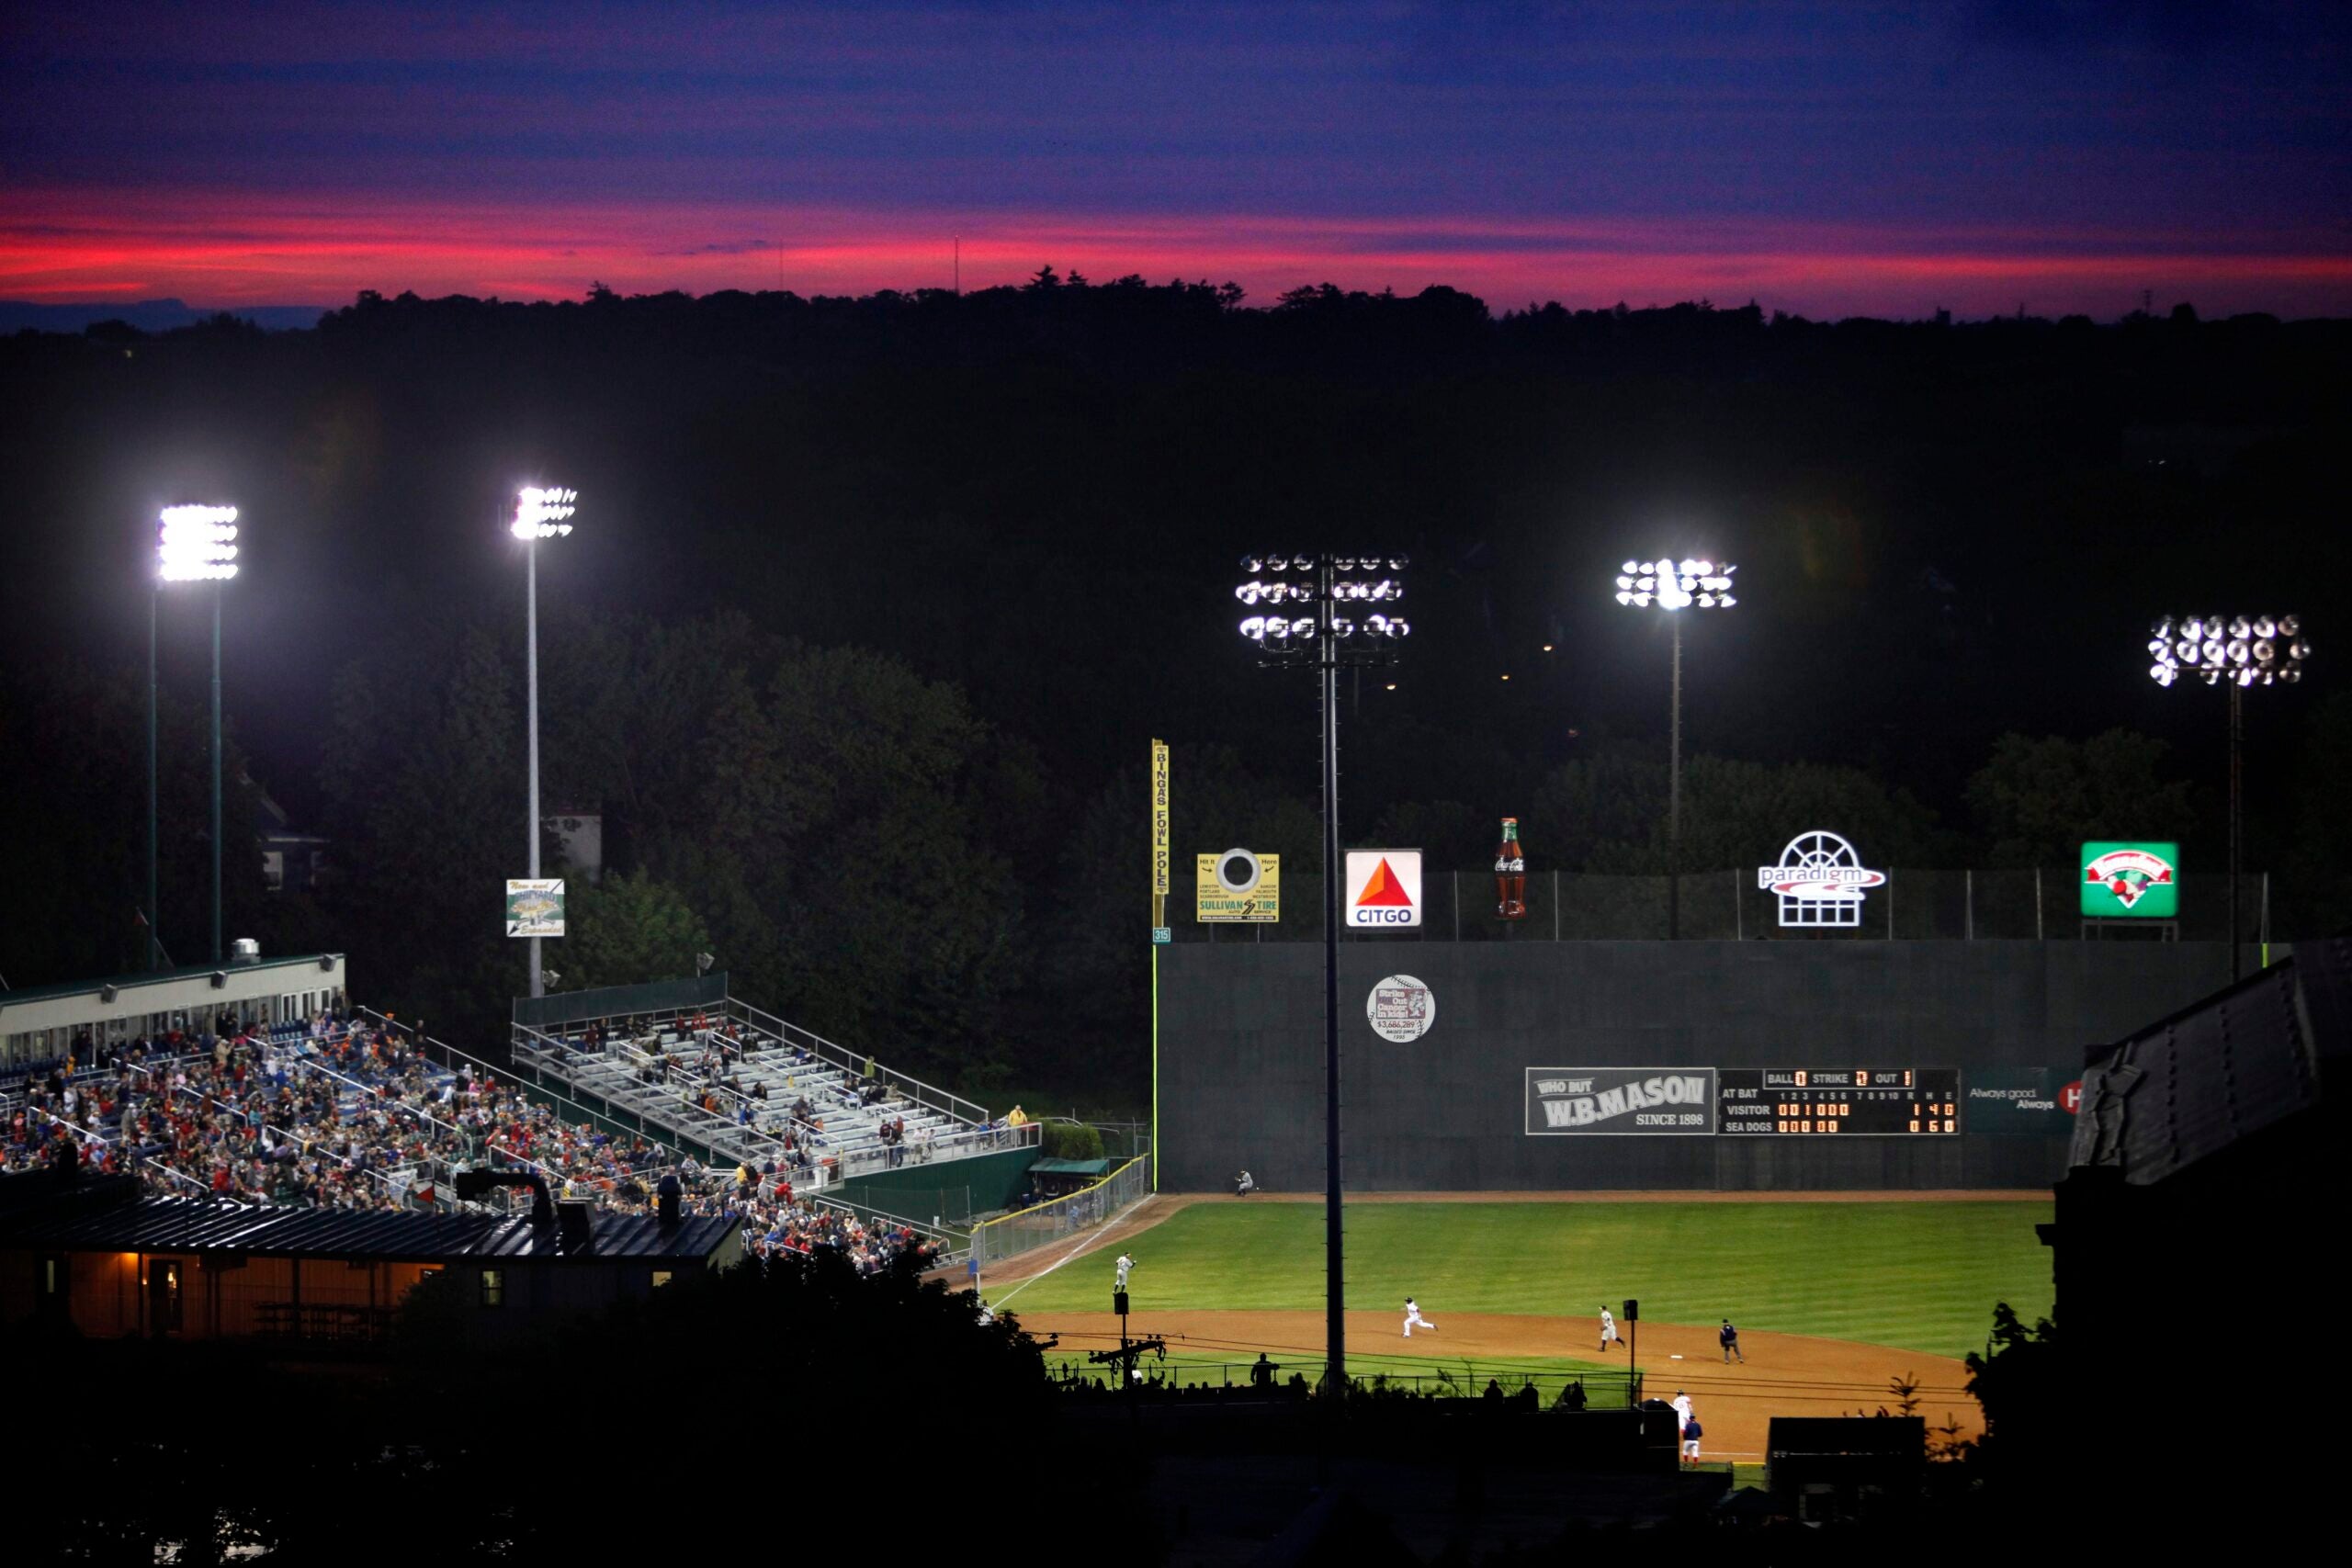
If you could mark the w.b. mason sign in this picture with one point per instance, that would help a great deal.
(1619, 1102)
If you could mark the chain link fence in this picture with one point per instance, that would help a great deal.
(1008, 1235)
(1915, 905)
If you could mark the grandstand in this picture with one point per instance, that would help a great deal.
(360, 1112)
(722, 1075)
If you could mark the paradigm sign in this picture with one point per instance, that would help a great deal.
(1384, 889)
(2127, 881)
(1820, 881)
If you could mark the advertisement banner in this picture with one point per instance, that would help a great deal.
(1620, 1102)
(2123, 880)
(2022, 1102)
(1238, 887)
(533, 906)
(1384, 889)
(1159, 866)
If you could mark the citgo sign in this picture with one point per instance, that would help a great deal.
(1384, 889)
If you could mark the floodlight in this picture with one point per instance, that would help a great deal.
(1622, 597)
(2238, 627)
(2289, 626)
(2297, 648)
(1303, 626)
(541, 512)
(1624, 581)
(196, 544)
(1254, 628)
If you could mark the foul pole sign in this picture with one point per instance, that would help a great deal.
(1160, 864)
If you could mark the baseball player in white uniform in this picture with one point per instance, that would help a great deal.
(1682, 1411)
(1413, 1318)
(1607, 1329)
(1125, 1262)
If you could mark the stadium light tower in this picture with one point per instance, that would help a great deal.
(1675, 586)
(193, 544)
(1319, 612)
(2239, 652)
(539, 513)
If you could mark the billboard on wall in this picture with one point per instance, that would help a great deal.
(1619, 1102)
(1239, 887)
(1384, 889)
(2130, 880)
(2024, 1102)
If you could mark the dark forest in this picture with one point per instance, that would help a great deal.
(875, 604)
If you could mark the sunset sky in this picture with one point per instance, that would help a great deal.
(1829, 160)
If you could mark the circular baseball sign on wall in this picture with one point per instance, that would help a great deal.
(1401, 1009)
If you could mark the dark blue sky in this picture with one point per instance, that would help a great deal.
(1826, 159)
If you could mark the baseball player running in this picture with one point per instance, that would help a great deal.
(1414, 1319)
(1607, 1329)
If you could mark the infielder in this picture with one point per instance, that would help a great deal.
(1127, 1261)
(1607, 1329)
(1413, 1318)
(1682, 1411)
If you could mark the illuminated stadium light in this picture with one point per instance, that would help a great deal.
(2234, 652)
(2242, 650)
(1693, 583)
(196, 544)
(1322, 616)
(538, 513)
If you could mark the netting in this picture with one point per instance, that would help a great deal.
(1008, 1235)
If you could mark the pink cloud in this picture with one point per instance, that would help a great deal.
(234, 248)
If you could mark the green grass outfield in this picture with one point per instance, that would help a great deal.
(1918, 1276)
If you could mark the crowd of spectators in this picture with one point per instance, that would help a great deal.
(350, 1114)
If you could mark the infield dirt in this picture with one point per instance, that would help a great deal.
(1785, 1374)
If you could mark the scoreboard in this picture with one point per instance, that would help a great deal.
(1887, 1102)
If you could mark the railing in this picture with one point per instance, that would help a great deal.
(914, 1089)
(1008, 1235)
(844, 1154)
(101, 1141)
(718, 1162)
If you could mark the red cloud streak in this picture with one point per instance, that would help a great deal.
(231, 249)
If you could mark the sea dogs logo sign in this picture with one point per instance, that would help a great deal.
(533, 906)
(1384, 889)
(1620, 1102)
(1820, 881)
(2131, 881)
(1401, 1009)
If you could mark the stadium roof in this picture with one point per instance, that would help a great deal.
(1070, 1167)
(153, 977)
(72, 1222)
(2191, 1084)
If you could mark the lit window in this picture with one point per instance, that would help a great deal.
(660, 1277)
(493, 1287)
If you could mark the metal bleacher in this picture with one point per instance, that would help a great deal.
(698, 1073)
